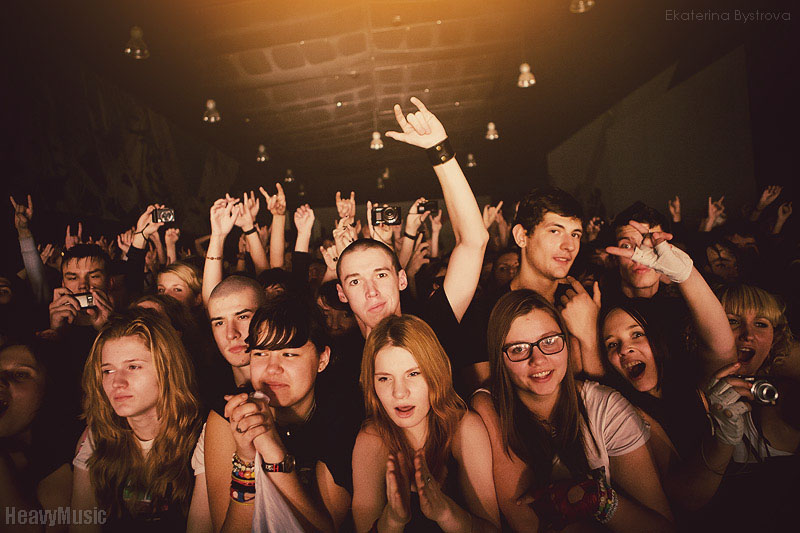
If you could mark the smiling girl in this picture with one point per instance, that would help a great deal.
(421, 462)
(551, 434)
(142, 418)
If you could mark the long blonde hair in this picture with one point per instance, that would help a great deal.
(447, 408)
(118, 459)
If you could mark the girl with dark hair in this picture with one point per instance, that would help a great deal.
(291, 467)
(672, 388)
(564, 445)
(143, 423)
(422, 462)
(34, 460)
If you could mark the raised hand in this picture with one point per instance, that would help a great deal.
(414, 219)
(346, 207)
(250, 417)
(171, 236)
(102, 310)
(330, 256)
(593, 228)
(420, 256)
(22, 214)
(71, 240)
(436, 222)
(145, 225)
(343, 235)
(674, 206)
(655, 252)
(381, 232)
(276, 204)
(768, 195)
(244, 218)
(304, 219)
(785, 211)
(252, 203)
(223, 216)
(46, 253)
(398, 494)
(490, 214)
(124, 241)
(715, 209)
(263, 234)
(421, 128)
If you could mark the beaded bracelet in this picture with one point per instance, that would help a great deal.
(243, 480)
(606, 512)
(210, 258)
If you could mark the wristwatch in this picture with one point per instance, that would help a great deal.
(286, 466)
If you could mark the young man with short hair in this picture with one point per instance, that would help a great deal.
(370, 275)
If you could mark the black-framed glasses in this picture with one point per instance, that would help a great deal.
(520, 351)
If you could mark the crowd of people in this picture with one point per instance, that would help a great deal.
(553, 371)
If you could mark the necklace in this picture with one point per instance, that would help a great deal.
(311, 412)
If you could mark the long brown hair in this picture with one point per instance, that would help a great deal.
(524, 433)
(447, 408)
(117, 459)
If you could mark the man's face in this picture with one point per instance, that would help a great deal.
(287, 376)
(506, 268)
(722, 263)
(339, 321)
(78, 275)
(230, 317)
(370, 285)
(635, 275)
(5, 291)
(22, 384)
(552, 246)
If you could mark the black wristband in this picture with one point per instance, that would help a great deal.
(250, 231)
(441, 153)
(408, 235)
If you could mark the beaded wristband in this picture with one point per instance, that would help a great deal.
(607, 513)
(210, 258)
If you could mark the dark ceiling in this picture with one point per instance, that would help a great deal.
(278, 69)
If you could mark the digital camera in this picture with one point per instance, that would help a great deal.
(762, 390)
(85, 299)
(387, 214)
(163, 215)
(431, 206)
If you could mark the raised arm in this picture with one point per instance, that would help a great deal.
(246, 220)
(276, 204)
(223, 215)
(413, 222)
(23, 214)
(707, 312)
(423, 129)
(171, 237)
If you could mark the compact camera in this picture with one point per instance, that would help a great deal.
(163, 215)
(86, 299)
(387, 214)
(762, 390)
(431, 206)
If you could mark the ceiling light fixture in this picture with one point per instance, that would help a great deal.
(491, 132)
(526, 78)
(301, 190)
(211, 115)
(136, 47)
(377, 142)
(262, 156)
(289, 178)
(581, 6)
(471, 163)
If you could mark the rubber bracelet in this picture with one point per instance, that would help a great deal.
(250, 231)
(441, 153)
(408, 235)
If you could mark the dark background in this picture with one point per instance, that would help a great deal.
(627, 105)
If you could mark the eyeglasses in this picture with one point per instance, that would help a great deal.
(520, 351)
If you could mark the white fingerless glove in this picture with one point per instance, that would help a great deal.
(727, 412)
(665, 259)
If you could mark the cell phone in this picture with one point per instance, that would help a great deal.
(387, 214)
(163, 215)
(85, 299)
(431, 206)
